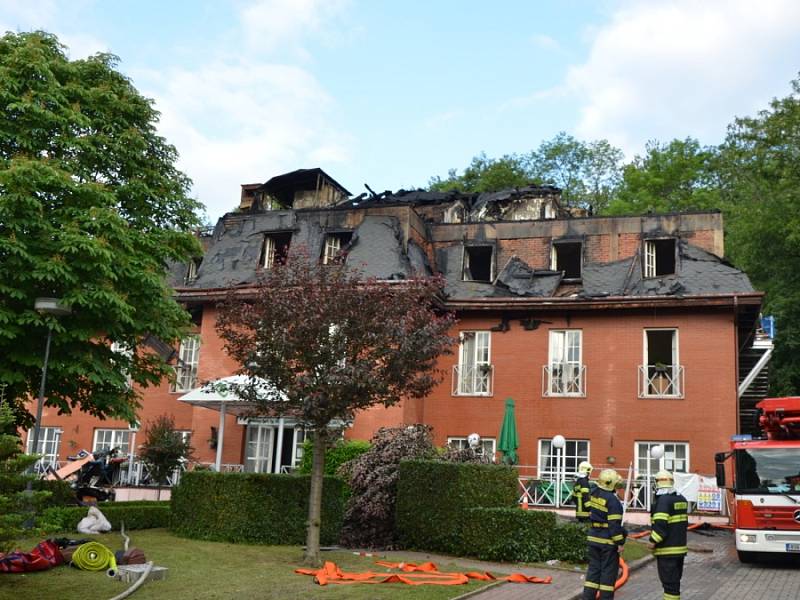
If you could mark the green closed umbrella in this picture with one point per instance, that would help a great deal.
(509, 442)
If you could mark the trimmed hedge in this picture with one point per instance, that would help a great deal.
(135, 515)
(253, 507)
(514, 535)
(62, 492)
(432, 497)
(335, 456)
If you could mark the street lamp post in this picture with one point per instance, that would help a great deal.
(55, 308)
(655, 452)
(558, 443)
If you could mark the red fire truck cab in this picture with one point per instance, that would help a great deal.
(766, 481)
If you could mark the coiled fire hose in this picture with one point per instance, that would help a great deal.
(93, 556)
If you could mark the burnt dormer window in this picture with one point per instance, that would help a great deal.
(191, 270)
(478, 263)
(659, 257)
(274, 248)
(567, 256)
(335, 244)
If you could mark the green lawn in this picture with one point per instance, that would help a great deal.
(205, 570)
(634, 550)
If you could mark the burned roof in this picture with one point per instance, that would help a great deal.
(284, 186)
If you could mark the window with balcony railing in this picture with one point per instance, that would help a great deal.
(661, 375)
(472, 376)
(565, 373)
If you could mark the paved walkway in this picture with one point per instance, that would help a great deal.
(715, 574)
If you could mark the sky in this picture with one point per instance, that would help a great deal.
(392, 93)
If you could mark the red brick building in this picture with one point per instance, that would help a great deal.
(615, 332)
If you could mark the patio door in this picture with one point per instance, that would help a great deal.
(258, 449)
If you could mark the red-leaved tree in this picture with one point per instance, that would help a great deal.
(331, 342)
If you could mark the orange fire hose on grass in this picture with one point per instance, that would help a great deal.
(412, 574)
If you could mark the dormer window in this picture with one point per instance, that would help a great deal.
(567, 257)
(659, 257)
(191, 270)
(334, 242)
(478, 263)
(275, 247)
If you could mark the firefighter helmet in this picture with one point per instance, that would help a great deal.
(585, 468)
(609, 480)
(665, 479)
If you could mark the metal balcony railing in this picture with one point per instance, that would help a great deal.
(564, 380)
(472, 380)
(660, 381)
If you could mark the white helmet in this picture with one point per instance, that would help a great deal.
(585, 468)
(665, 479)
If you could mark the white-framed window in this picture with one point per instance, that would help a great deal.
(661, 374)
(478, 263)
(48, 445)
(564, 373)
(659, 257)
(258, 448)
(186, 369)
(487, 447)
(575, 452)
(676, 457)
(275, 247)
(473, 374)
(106, 439)
(567, 257)
(334, 242)
(127, 352)
(299, 438)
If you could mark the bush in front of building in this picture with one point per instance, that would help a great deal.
(335, 456)
(432, 497)
(514, 535)
(253, 507)
(61, 493)
(135, 515)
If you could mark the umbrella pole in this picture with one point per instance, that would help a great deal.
(220, 437)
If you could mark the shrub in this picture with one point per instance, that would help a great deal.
(370, 517)
(164, 448)
(135, 515)
(514, 535)
(253, 507)
(432, 497)
(335, 456)
(61, 493)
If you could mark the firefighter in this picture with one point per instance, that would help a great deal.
(669, 522)
(581, 491)
(605, 538)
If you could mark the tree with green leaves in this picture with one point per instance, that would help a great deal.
(588, 173)
(164, 448)
(676, 176)
(321, 342)
(485, 175)
(92, 210)
(760, 175)
(16, 506)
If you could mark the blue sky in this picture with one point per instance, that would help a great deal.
(391, 93)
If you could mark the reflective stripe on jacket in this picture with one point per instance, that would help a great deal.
(605, 516)
(581, 492)
(669, 521)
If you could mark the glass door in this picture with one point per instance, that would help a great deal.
(258, 449)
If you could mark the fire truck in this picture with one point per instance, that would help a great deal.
(766, 482)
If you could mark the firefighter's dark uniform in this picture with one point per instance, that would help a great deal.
(605, 536)
(581, 491)
(669, 522)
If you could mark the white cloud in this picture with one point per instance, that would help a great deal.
(676, 68)
(545, 42)
(243, 123)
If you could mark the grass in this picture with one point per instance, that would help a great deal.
(213, 570)
(634, 550)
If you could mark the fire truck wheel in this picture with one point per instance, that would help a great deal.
(746, 557)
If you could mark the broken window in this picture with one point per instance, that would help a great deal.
(275, 247)
(662, 374)
(334, 242)
(564, 373)
(567, 257)
(659, 257)
(478, 263)
(191, 271)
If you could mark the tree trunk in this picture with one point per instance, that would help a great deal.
(312, 556)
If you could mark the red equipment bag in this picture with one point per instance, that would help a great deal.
(45, 555)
